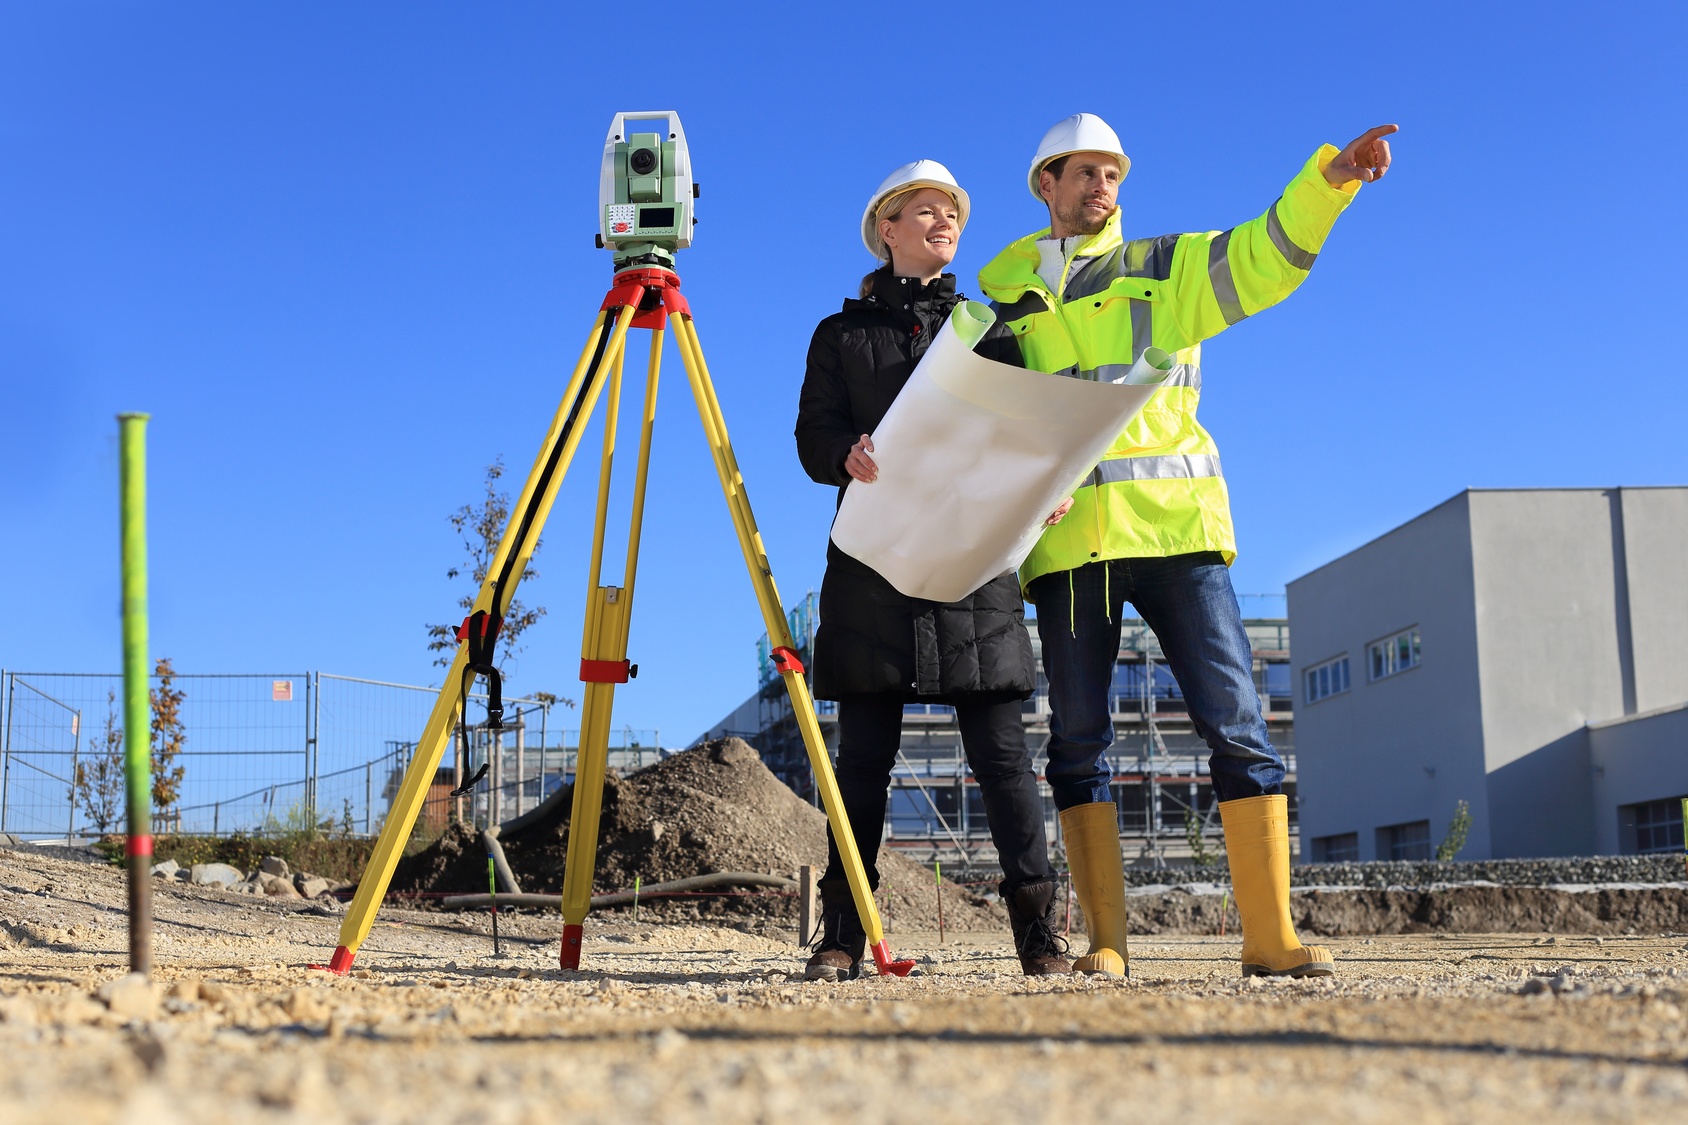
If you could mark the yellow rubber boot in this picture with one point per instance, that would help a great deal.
(1093, 855)
(1257, 845)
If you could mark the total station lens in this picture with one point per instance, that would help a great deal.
(642, 161)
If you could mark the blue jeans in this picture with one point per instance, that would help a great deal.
(1188, 601)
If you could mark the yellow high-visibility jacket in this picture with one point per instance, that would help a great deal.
(1158, 491)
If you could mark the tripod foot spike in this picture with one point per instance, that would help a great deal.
(887, 966)
(570, 956)
(340, 964)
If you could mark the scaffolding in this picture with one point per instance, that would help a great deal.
(1161, 785)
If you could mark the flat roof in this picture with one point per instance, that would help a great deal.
(1466, 491)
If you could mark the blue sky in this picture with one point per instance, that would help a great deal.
(343, 255)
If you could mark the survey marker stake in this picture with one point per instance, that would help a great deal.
(938, 881)
(492, 889)
(137, 711)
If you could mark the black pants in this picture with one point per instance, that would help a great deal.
(870, 729)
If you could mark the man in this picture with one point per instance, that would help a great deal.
(1152, 523)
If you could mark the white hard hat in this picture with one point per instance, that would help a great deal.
(1082, 132)
(921, 173)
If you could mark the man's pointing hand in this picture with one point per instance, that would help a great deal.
(1366, 158)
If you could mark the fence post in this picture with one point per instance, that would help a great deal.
(521, 759)
(368, 795)
(75, 759)
(6, 750)
(217, 819)
(313, 704)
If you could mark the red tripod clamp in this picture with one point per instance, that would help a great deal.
(786, 660)
(606, 671)
(654, 292)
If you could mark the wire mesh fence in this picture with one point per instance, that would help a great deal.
(263, 754)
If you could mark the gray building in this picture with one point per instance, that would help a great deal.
(1522, 650)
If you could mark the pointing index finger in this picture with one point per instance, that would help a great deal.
(1374, 133)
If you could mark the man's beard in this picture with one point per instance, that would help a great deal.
(1081, 221)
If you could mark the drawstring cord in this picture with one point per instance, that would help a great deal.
(1072, 610)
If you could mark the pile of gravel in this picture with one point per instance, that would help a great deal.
(1641, 869)
(712, 808)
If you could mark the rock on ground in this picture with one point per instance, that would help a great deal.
(219, 874)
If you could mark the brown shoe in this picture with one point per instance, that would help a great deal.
(839, 940)
(1031, 913)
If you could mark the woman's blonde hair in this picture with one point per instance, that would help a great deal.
(892, 208)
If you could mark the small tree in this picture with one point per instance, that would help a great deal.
(98, 783)
(1200, 854)
(168, 737)
(1458, 827)
(481, 526)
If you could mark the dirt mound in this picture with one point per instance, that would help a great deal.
(712, 808)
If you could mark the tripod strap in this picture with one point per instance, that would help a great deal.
(479, 632)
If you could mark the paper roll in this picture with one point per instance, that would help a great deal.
(973, 456)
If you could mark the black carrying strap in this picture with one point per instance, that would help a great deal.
(479, 632)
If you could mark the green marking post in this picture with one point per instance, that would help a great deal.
(492, 892)
(938, 881)
(636, 881)
(137, 711)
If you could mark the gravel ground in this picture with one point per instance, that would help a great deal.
(695, 1023)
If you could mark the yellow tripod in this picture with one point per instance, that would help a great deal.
(640, 297)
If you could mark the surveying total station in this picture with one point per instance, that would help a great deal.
(646, 198)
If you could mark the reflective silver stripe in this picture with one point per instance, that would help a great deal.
(1142, 326)
(1142, 257)
(1092, 276)
(1182, 374)
(1174, 466)
(1293, 254)
(1224, 285)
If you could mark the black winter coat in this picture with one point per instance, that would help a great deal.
(871, 638)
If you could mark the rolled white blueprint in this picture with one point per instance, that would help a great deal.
(973, 456)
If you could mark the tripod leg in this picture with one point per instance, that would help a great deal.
(517, 545)
(779, 633)
(603, 664)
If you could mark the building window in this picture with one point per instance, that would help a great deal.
(1392, 654)
(1404, 841)
(1273, 680)
(1658, 826)
(1341, 848)
(1327, 679)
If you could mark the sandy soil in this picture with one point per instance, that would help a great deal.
(692, 1023)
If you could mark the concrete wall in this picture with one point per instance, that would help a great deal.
(1656, 562)
(1636, 759)
(744, 719)
(1551, 616)
(1409, 746)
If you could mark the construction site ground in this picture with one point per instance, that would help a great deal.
(696, 1022)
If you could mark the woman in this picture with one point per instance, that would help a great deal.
(877, 649)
